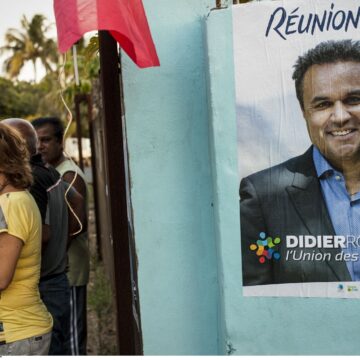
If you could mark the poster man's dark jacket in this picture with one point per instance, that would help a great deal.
(286, 200)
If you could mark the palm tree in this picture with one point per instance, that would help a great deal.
(29, 44)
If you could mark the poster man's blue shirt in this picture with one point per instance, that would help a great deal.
(344, 210)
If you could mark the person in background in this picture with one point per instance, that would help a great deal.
(49, 193)
(25, 323)
(50, 133)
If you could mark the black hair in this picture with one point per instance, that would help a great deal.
(327, 52)
(55, 122)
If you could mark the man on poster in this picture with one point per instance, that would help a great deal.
(300, 220)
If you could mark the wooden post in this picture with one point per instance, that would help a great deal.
(114, 145)
(88, 100)
(78, 129)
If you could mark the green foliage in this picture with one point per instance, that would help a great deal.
(88, 69)
(100, 292)
(91, 57)
(50, 103)
(20, 100)
(29, 43)
(29, 100)
(100, 301)
(88, 66)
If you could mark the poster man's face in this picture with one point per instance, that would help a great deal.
(332, 110)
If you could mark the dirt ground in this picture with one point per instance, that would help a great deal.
(101, 311)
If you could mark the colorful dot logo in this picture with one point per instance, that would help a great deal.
(265, 248)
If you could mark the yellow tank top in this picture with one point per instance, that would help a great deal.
(22, 313)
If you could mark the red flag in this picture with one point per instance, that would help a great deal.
(125, 19)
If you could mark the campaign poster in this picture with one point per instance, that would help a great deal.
(297, 76)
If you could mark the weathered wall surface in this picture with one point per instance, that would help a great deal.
(259, 326)
(167, 125)
(182, 145)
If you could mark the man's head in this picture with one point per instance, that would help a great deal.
(26, 130)
(328, 52)
(50, 131)
(327, 81)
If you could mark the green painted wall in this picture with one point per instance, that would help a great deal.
(172, 194)
(184, 184)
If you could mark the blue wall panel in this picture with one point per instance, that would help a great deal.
(171, 184)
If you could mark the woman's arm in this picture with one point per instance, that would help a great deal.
(10, 248)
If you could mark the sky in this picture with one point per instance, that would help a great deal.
(10, 15)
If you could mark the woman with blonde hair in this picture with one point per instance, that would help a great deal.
(25, 323)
